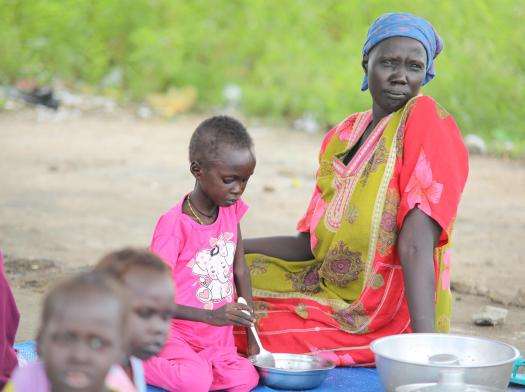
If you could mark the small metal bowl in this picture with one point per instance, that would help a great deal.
(294, 371)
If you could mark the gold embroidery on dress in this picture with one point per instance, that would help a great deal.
(388, 227)
(352, 214)
(337, 207)
(401, 127)
(260, 308)
(325, 168)
(353, 319)
(341, 265)
(306, 280)
(376, 281)
(258, 266)
(443, 323)
(441, 111)
(301, 311)
(377, 159)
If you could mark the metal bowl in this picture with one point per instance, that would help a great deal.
(294, 371)
(428, 358)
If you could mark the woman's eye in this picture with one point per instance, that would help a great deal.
(416, 67)
(228, 180)
(387, 62)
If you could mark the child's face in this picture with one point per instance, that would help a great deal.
(152, 309)
(225, 179)
(82, 339)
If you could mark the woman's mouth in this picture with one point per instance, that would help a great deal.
(395, 94)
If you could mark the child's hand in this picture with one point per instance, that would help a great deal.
(232, 314)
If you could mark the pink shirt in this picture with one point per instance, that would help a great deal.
(201, 260)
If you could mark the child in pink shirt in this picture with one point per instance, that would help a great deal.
(200, 239)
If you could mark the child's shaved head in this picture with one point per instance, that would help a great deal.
(149, 283)
(117, 264)
(89, 284)
(83, 332)
(215, 133)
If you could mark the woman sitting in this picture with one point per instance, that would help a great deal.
(372, 255)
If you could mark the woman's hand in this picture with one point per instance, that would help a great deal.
(232, 314)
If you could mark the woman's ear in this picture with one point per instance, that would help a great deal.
(195, 169)
(364, 63)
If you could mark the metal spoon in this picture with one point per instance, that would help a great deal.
(264, 358)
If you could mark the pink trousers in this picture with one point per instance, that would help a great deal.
(179, 367)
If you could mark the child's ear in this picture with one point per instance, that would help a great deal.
(39, 342)
(195, 169)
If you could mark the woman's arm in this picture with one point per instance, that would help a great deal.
(241, 273)
(293, 248)
(418, 237)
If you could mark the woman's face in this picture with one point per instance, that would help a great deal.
(396, 69)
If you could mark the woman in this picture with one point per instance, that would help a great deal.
(9, 318)
(371, 258)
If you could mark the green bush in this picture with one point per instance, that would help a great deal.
(289, 56)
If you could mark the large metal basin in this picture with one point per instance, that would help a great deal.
(426, 358)
(294, 371)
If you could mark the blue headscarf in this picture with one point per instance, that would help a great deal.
(396, 24)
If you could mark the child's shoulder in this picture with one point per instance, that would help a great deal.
(31, 376)
(170, 219)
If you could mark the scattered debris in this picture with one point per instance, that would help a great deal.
(114, 78)
(307, 123)
(490, 316)
(30, 273)
(519, 298)
(508, 146)
(175, 101)
(268, 188)
(296, 183)
(232, 93)
(286, 172)
(44, 114)
(475, 144)
(144, 112)
(43, 96)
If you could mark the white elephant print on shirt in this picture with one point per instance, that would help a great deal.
(214, 266)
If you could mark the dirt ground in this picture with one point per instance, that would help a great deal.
(71, 190)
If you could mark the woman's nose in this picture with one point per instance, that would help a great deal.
(399, 76)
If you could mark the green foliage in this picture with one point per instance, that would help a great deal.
(289, 56)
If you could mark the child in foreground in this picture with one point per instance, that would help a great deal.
(82, 334)
(200, 239)
(148, 283)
